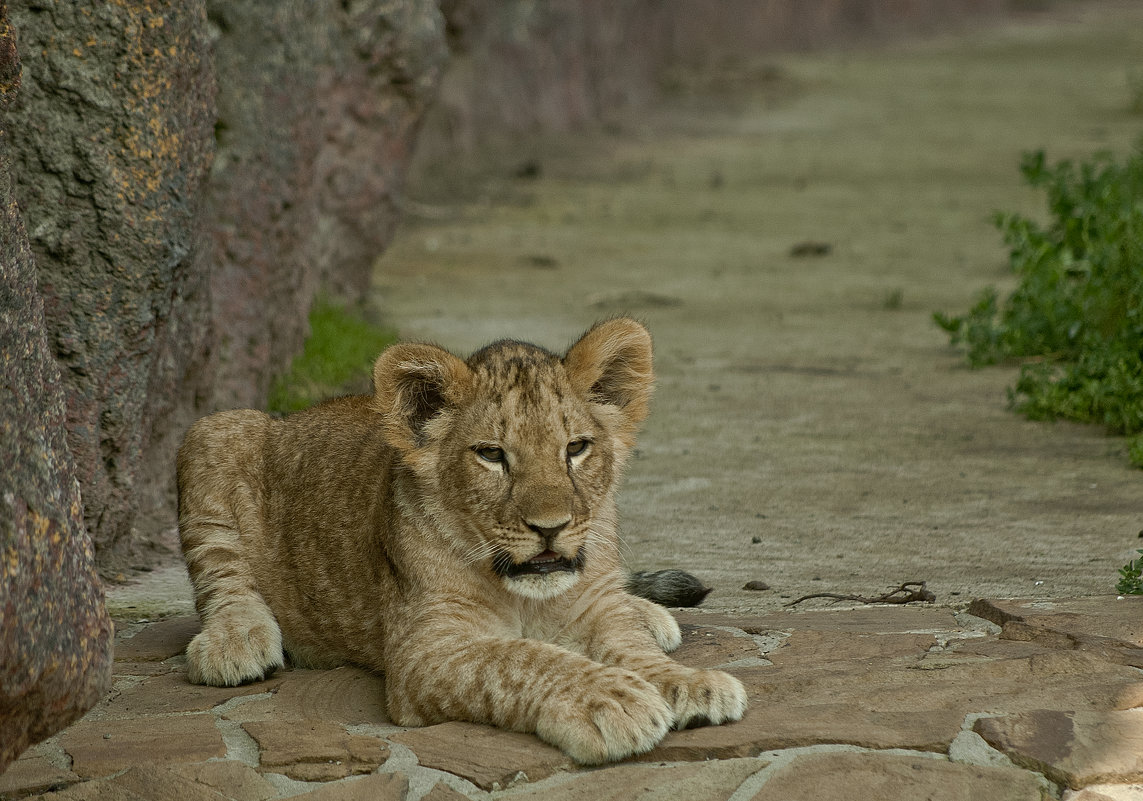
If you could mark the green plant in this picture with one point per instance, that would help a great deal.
(1131, 577)
(336, 358)
(1075, 319)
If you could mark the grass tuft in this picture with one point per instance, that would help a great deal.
(336, 359)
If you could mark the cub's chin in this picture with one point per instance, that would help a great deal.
(545, 575)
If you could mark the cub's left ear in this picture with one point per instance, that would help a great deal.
(612, 365)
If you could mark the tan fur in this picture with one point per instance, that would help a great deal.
(375, 530)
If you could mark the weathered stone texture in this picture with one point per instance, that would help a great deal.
(100, 748)
(488, 757)
(877, 777)
(55, 636)
(111, 140)
(319, 105)
(315, 750)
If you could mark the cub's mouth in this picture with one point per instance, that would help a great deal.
(541, 564)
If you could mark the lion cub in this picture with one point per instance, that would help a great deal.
(456, 531)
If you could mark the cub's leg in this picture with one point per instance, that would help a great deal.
(454, 670)
(632, 633)
(219, 521)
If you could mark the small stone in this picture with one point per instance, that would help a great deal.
(756, 586)
(756, 540)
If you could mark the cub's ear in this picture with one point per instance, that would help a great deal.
(612, 365)
(412, 384)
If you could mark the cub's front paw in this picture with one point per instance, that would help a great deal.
(704, 697)
(227, 653)
(615, 715)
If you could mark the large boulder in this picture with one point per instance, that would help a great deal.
(55, 637)
(319, 105)
(111, 138)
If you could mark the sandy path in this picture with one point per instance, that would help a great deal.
(809, 401)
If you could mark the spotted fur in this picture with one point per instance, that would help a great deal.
(456, 530)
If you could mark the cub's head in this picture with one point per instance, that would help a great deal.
(517, 451)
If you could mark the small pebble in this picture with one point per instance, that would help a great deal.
(756, 540)
(757, 586)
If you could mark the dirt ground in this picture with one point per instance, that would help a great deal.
(812, 428)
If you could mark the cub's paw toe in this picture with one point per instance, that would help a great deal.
(663, 626)
(622, 716)
(705, 698)
(229, 655)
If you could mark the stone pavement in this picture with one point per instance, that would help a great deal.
(1004, 700)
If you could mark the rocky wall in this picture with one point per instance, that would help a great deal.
(523, 66)
(318, 108)
(55, 637)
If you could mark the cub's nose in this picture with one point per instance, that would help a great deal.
(548, 529)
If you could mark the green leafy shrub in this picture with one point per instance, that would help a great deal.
(1131, 577)
(336, 359)
(1076, 316)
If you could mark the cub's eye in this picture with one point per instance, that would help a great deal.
(490, 453)
(577, 446)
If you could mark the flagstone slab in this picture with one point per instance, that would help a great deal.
(314, 750)
(158, 641)
(872, 619)
(488, 757)
(170, 693)
(33, 773)
(377, 787)
(706, 781)
(1076, 749)
(157, 783)
(771, 728)
(1110, 626)
(235, 780)
(706, 647)
(144, 668)
(344, 695)
(817, 647)
(887, 777)
(1053, 680)
(101, 747)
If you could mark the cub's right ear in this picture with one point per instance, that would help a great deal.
(412, 384)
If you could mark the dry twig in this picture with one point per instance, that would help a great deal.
(907, 593)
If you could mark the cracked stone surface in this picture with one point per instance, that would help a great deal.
(881, 700)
